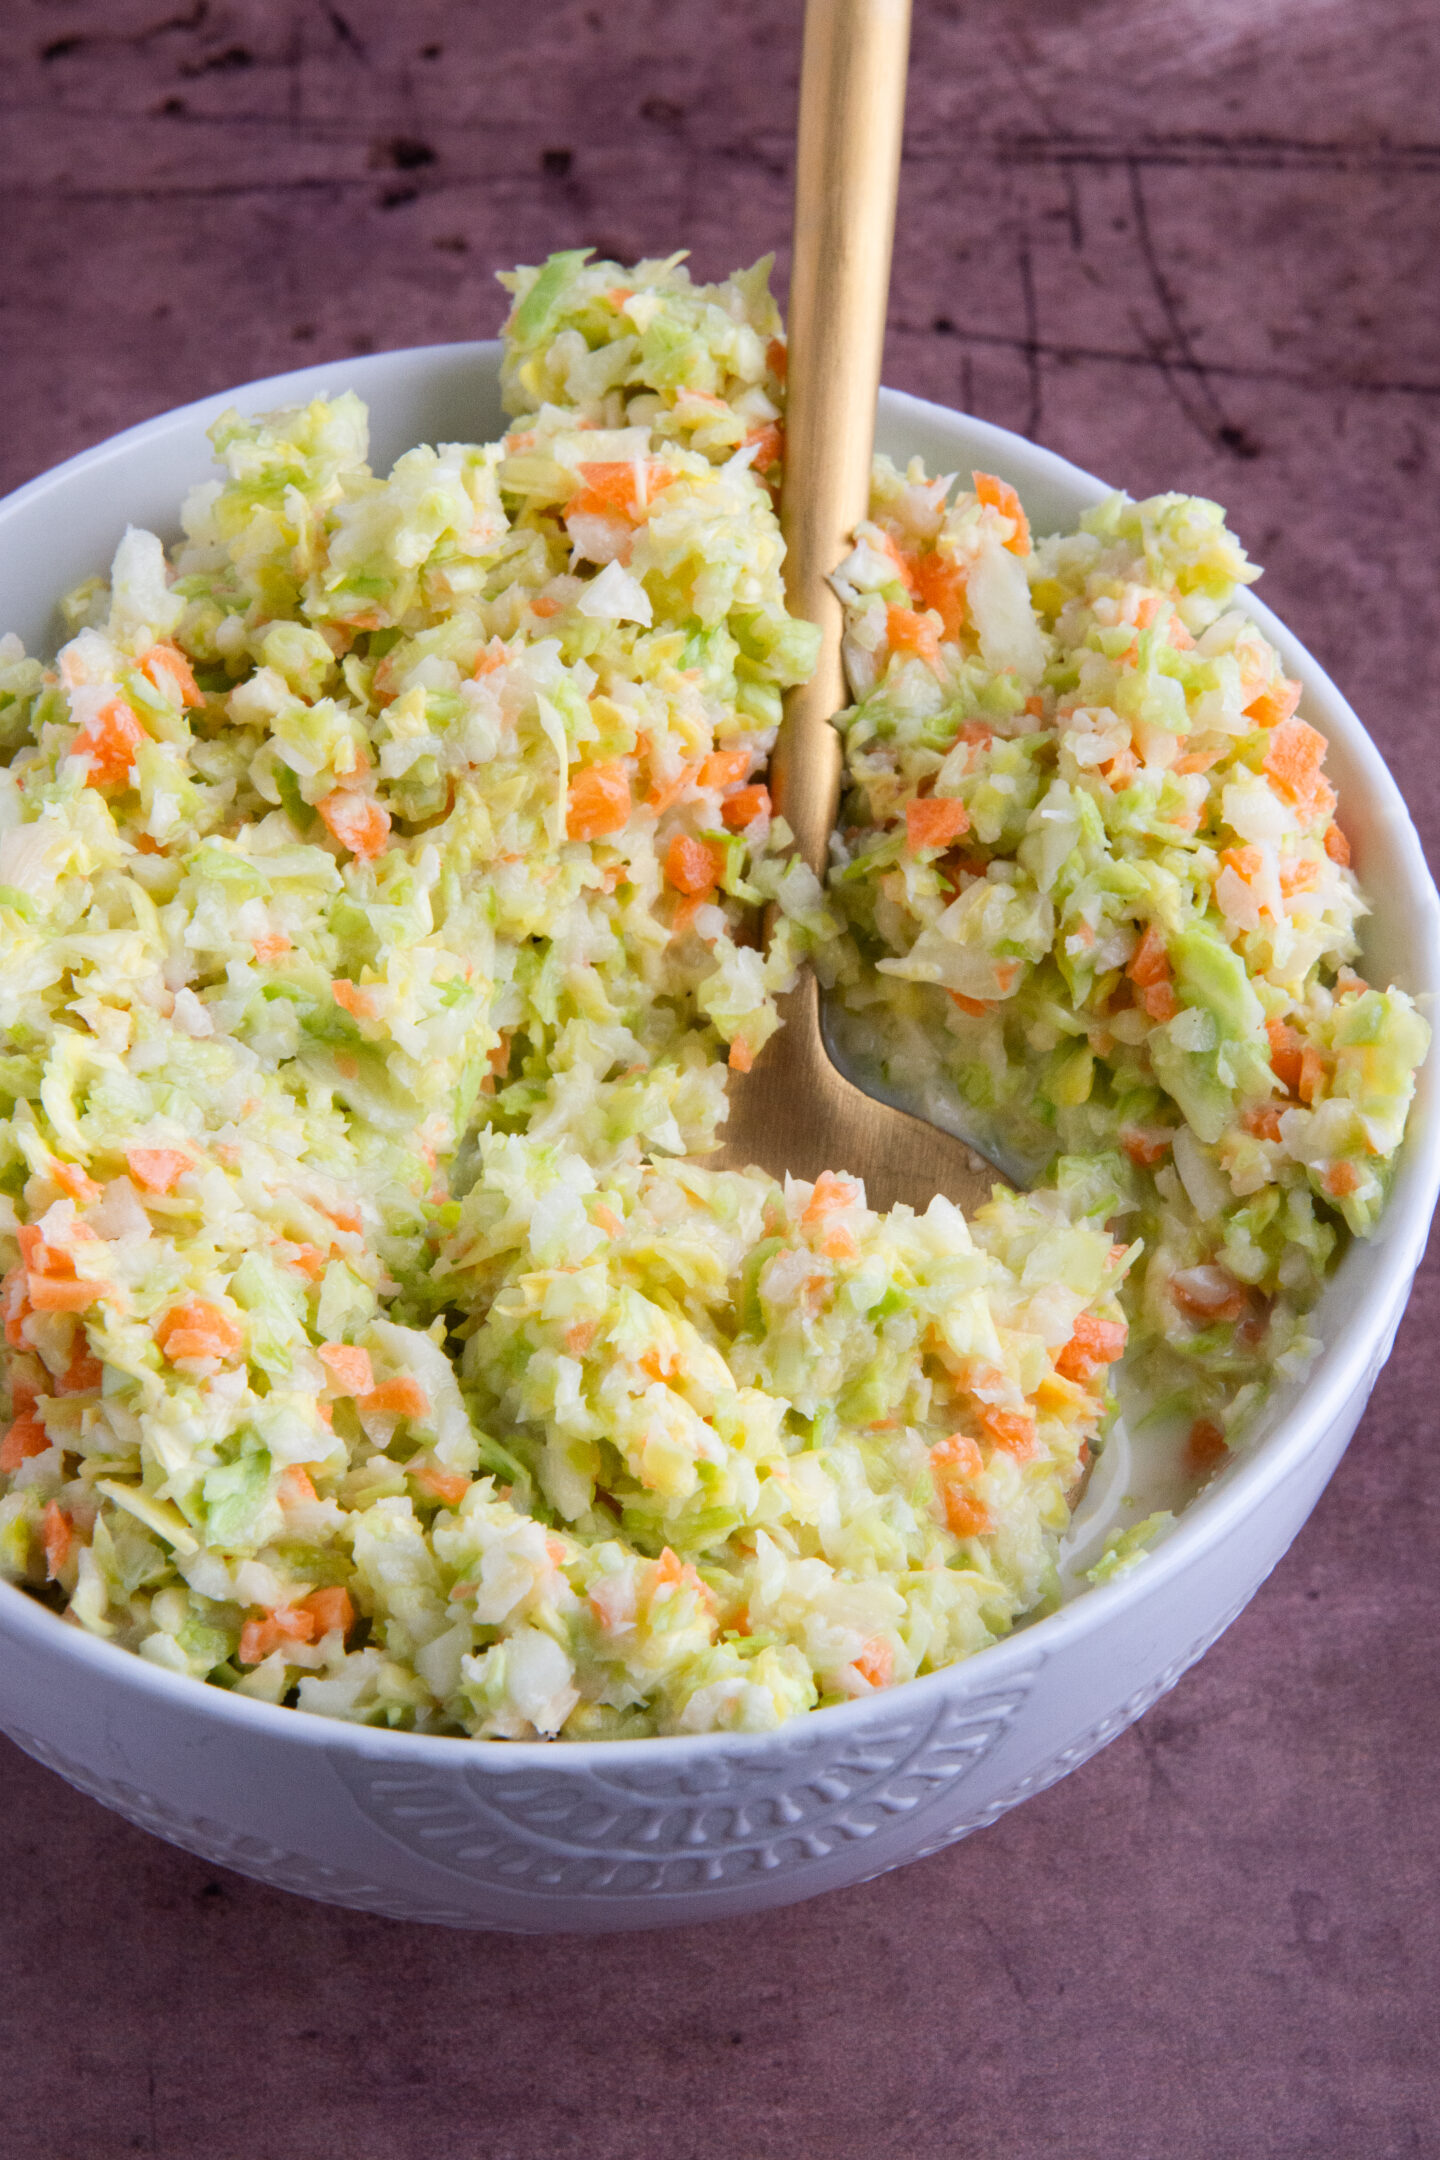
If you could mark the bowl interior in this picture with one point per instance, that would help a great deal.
(64, 527)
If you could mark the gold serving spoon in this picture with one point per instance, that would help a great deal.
(795, 1111)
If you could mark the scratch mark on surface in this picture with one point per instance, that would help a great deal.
(1118, 356)
(1218, 427)
(1031, 345)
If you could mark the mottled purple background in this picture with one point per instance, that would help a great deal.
(1189, 243)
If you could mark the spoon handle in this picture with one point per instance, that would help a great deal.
(852, 110)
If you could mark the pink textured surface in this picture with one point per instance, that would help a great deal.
(1188, 243)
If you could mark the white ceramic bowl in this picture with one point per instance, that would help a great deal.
(653, 1832)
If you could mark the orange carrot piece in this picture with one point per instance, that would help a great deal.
(1273, 707)
(296, 1486)
(908, 632)
(976, 1007)
(876, 1662)
(1341, 1178)
(1312, 1075)
(287, 1623)
(159, 1170)
(1337, 847)
(84, 1371)
(1150, 962)
(109, 739)
(939, 584)
(598, 800)
(167, 664)
(745, 805)
(694, 866)
(830, 1194)
(198, 1329)
(1262, 1120)
(401, 1397)
(65, 1293)
(965, 1515)
(934, 821)
(330, 1608)
(769, 445)
(1293, 759)
(449, 1486)
(741, 1059)
(1205, 1446)
(1093, 1342)
(349, 1368)
(26, 1437)
(956, 1457)
(1009, 1429)
(359, 1003)
(723, 768)
(357, 822)
(56, 1534)
(1002, 497)
(1287, 1049)
(74, 1181)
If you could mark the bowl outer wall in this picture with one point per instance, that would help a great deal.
(409, 1823)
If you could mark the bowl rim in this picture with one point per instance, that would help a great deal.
(1207, 1522)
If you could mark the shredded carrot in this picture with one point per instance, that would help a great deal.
(876, 1662)
(934, 821)
(330, 1608)
(1262, 1120)
(607, 1220)
(74, 1181)
(745, 805)
(1286, 1054)
(769, 445)
(287, 1623)
(908, 632)
(830, 1194)
(1273, 707)
(26, 1437)
(166, 663)
(270, 947)
(1160, 1001)
(401, 1397)
(742, 1057)
(694, 866)
(1246, 862)
(357, 1002)
(357, 823)
(110, 740)
(1093, 1343)
(957, 1457)
(964, 1514)
(1302, 875)
(1312, 1073)
(976, 1007)
(83, 1373)
(448, 1486)
(1150, 962)
(598, 800)
(1293, 759)
(1009, 1429)
(1205, 1446)
(1002, 497)
(197, 1329)
(579, 1338)
(157, 1169)
(57, 1534)
(777, 357)
(723, 768)
(612, 489)
(349, 1368)
(296, 1486)
(1340, 1179)
(1337, 847)
(939, 584)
